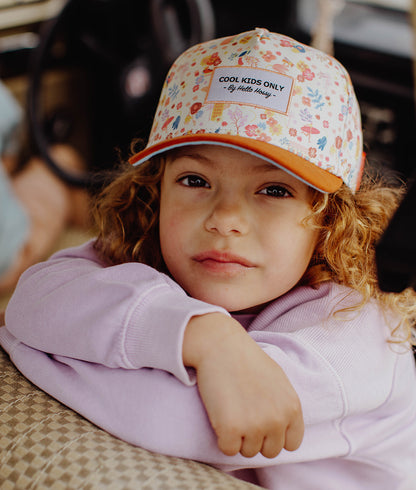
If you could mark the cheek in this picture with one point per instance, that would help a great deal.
(175, 231)
(168, 221)
(290, 244)
(306, 249)
(168, 217)
(304, 241)
(169, 231)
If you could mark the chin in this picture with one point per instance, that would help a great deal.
(232, 305)
(229, 304)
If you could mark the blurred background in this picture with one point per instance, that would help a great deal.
(89, 72)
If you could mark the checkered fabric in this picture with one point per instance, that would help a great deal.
(44, 445)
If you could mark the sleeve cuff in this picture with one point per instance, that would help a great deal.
(154, 334)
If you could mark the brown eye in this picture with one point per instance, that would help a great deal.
(275, 191)
(194, 181)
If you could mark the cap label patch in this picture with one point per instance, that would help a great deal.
(252, 86)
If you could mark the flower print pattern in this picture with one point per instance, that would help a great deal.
(167, 122)
(210, 62)
(305, 115)
(308, 74)
(237, 119)
(253, 131)
(268, 56)
(251, 61)
(321, 143)
(338, 142)
(195, 107)
(173, 91)
(274, 127)
(322, 123)
(175, 124)
(316, 98)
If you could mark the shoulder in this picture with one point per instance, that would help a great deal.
(350, 340)
(333, 315)
(85, 251)
(305, 306)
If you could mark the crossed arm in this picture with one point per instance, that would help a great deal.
(132, 317)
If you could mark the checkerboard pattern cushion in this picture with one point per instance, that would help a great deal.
(44, 445)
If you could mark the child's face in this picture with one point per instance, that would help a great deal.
(231, 228)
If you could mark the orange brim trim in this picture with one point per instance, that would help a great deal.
(299, 167)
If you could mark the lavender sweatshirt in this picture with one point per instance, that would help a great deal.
(107, 342)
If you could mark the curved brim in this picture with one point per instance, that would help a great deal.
(304, 170)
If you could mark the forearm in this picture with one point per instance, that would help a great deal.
(205, 333)
(147, 408)
(250, 402)
(128, 316)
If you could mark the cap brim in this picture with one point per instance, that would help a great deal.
(304, 170)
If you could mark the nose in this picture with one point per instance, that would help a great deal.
(229, 216)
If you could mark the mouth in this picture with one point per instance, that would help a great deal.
(223, 262)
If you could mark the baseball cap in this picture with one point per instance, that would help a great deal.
(269, 95)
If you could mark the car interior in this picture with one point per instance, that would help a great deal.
(89, 73)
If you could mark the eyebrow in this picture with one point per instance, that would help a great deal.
(268, 166)
(264, 166)
(185, 152)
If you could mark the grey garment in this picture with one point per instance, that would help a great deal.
(10, 120)
(14, 222)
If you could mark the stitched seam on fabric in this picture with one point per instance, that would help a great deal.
(126, 322)
(22, 436)
(49, 463)
(337, 422)
(17, 400)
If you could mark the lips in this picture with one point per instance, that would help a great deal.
(216, 261)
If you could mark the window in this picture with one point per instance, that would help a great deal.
(379, 25)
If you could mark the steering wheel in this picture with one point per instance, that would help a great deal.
(108, 32)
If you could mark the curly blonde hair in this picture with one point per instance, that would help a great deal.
(127, 216)
(350, 225)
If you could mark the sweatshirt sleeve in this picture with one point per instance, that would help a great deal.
(152, 409)
(125, 316)
(147, 407)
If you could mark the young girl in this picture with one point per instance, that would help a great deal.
(232, 286)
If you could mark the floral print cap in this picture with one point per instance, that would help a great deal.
(269, 95)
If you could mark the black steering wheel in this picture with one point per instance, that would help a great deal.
(120, 37)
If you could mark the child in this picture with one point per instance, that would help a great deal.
(232, 278)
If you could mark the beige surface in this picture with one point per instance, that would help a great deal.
(44, 445)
